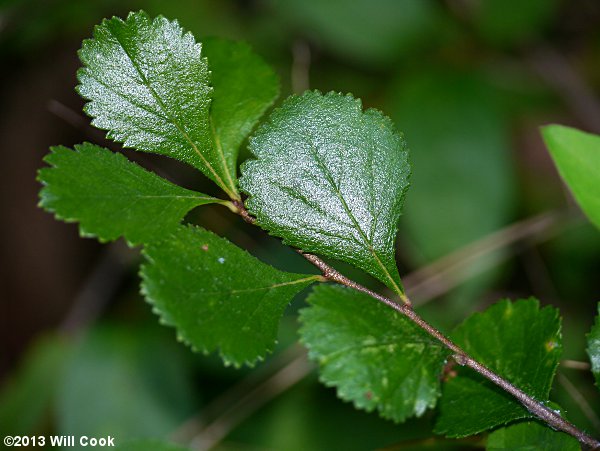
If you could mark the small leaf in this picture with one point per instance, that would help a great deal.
(330, 179)
(517, 340)
(148, 85)
(244, 87)
(111, 196)
(375, 357)
(530, 436)
(593, 347)
(217, 295)
(577, 157)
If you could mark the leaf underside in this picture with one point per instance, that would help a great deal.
(518, 341)
(330, 178)
(217, 295)
(111, 196)
(374, 356)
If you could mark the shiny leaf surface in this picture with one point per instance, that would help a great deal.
(148, 86)
(330, 178)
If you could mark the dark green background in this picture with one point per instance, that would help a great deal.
(468, 82)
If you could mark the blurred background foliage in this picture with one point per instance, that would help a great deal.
(468, 81)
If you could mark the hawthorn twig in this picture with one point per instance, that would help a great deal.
(222, 406)
(537, 408)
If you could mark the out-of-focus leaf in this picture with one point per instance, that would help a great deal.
(244, 87)
(148, 86)
(26, 400)
(517, 340)
(508, 22)
(462, 183)
(593, 347)
(373, 31)
(330, 179)
(577, 157)
(126, 383)
(373, 355)
(148, 445)
(530, 436)
(111, 196)
(217, 295)
(310, 417)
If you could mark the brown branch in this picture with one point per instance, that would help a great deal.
(536, 408)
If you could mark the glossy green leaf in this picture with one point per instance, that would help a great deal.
(593, 347)
(217, 295)
(517, 340)
(244, 87)
(111, 196)
(373, 355)
(147, 445)
(329, 178)
(148, 86)
(530, 436)
(577, 157)
(127, 382)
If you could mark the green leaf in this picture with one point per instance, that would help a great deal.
(111, 196)
(375, 357)
(149, 444)
(389, 29)
(530, 436)
(593, 347)
(510, 22)
(127, 382)
(330, 179)
(458, 140)
(217, 295)
(244, 87)
(517, 340)
(148, 86)
(577, 157)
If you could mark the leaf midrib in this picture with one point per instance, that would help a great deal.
(367, 243)
(146, 82)
(267, 288)
(221, 153)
